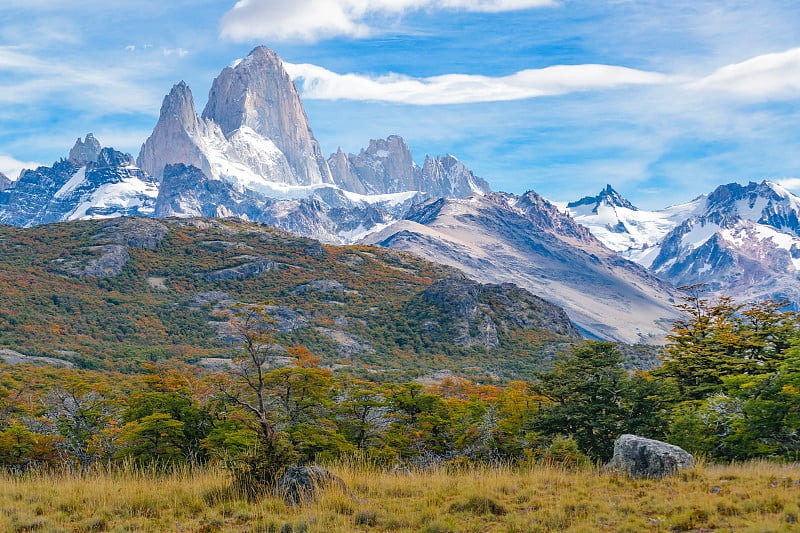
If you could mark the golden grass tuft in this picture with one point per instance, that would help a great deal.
(745, 497)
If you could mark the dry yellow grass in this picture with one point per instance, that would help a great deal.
(738, 498)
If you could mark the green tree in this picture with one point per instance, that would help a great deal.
(585, 389)
(153, 438)
(247, 388)
(80, 414)
(720, 338)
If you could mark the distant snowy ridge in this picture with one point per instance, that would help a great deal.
(741, 240)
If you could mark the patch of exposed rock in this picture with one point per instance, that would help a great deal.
(478, 312)
(255, 267)
(215, 298)
(111, 261)
(326, 286)
(135, 232)
(647, 458)
(349, 344)
(10, 357)
(225, 246)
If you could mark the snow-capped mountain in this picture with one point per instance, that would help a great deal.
(93, 182)
(251, 154)
(741, 240)
(745, 243)
(623, 227)
(187, 191)
(253, 131)
(255, 134)
(526, 240)
(5, 182)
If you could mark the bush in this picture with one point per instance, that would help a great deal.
(257, 472)
(564, 451)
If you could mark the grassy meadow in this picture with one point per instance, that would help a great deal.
(750, 497)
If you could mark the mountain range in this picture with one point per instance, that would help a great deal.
(251, 154)
(742, 241)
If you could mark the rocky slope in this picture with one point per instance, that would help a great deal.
(120, 292)
(497, 238)
(5, 182)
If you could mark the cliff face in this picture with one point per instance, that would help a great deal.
(259, 94)
(175, 137)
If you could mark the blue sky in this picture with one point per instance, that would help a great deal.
(664, 100)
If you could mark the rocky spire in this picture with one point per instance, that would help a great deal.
(172, 138)
(85, 151)
(258, 93)
(447, 177)
(607, 196)
(4, 182)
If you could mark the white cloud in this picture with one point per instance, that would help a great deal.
(311, 20)
(180, 52)
(26, 78)
(764, 77)
(320, 83)
(792, 184)
(12, 167)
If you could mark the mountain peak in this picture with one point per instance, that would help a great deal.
(612, 197)
(4, 181)
(108, 157)
(607, 196)
(258, 93)
(261, 56)
(178, 106)
(171, 140)
(85, 151)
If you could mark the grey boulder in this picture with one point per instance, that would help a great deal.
(647, 458)
(300, 484)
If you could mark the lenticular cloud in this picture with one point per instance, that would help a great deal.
(320, 83)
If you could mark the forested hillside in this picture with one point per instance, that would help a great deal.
(113, 294)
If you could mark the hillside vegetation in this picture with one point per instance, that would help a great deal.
(113, 294)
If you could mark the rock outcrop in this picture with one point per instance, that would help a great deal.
(5, 182)
(11, 357)
(86, 151)
(303, 484)
(135, 232)
(476, 312)
(325, 286)
(252, 266)
(647, 458)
